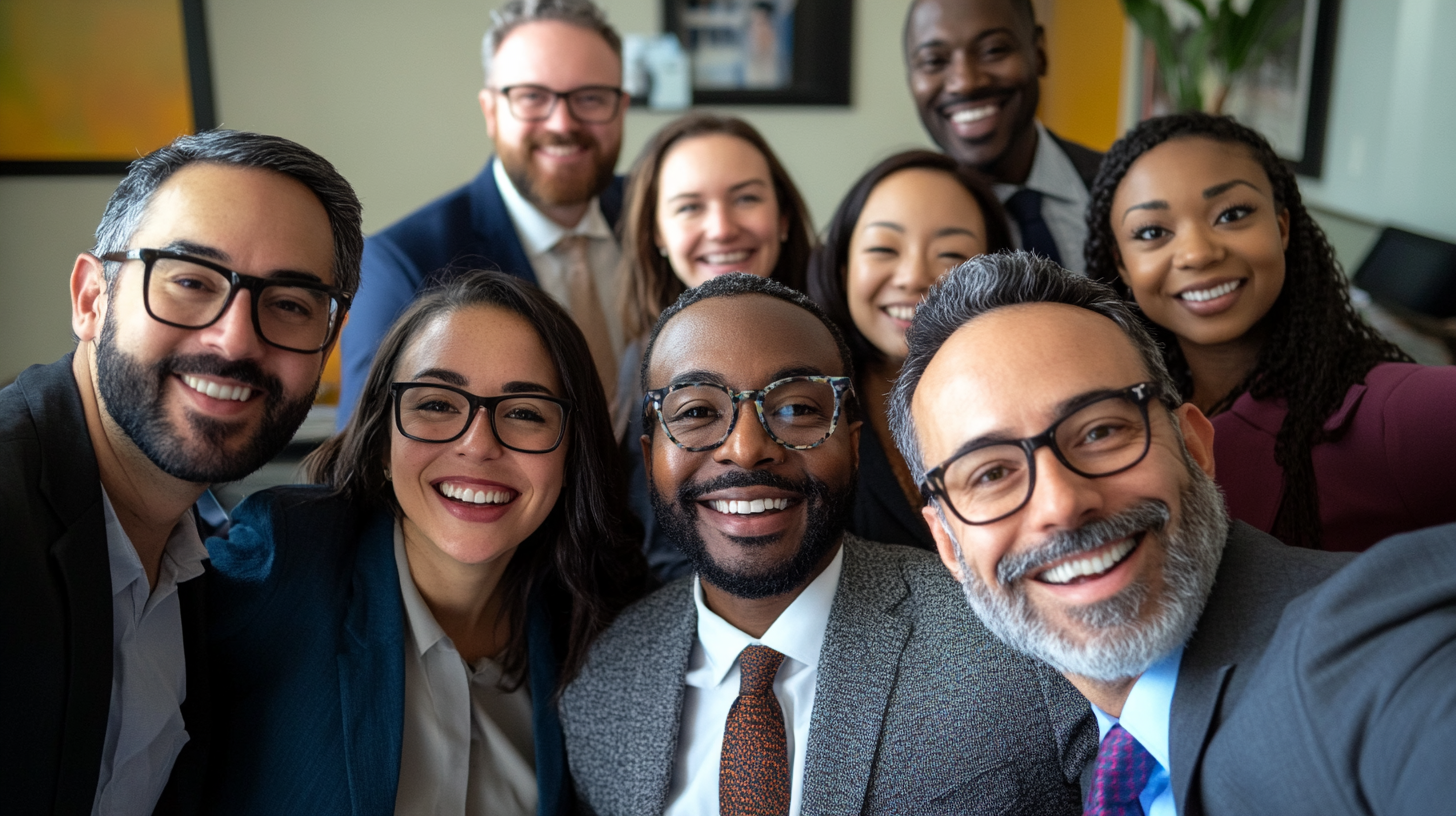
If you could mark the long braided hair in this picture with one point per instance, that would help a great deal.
(1316, 346)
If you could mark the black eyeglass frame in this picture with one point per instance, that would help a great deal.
(476, 404)
(236, 280)
(652, 402)
(932, 487)
(557, 96)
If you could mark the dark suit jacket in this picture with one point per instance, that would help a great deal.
(308, 661)
(1353, 708)
(1257, 577)
(466, 229)
(917, 708)
(880, 510)
(1084, 159)
(55, 610)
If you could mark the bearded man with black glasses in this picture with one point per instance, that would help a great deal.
(1071, 493)
(223, 268)
(802, 670)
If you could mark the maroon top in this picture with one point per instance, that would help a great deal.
(1392, 467)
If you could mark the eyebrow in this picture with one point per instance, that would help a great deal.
(1212, 192)
(442, 374)
(705, 376)
(735, 188)
(525, 387)
(214, 254)
(459, 381)
(1061, 410)
(943, 43)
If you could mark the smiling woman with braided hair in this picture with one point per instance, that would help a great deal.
(1327, 435)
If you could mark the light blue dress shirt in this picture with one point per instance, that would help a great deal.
(1146, 715)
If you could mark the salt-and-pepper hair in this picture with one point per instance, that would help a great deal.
(989, 282)
(236, 148)
(581, 13)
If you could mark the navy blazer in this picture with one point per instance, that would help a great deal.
(308, 649)
(465, 229)
(55, 611)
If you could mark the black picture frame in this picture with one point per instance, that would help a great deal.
(1317, 114)
(204, 112)
(819, 65)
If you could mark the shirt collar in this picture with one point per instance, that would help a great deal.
(1052, 173)
(538, 233)
(1147, 713)
(797, 634)
(182, 556)
(422, 623)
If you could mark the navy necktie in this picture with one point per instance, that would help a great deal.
(1036, 236)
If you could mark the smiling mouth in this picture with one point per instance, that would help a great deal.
(900, 312)
(737, 507)
(720, 258)
(217, 390)
(468, 495)
(1212, 292)
(561, 151)
(1092, 565)
(965, 117)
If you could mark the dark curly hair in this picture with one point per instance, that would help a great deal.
(1316, 345)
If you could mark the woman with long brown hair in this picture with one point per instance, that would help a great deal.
(393, 638)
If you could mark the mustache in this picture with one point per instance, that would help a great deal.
(689, 492)
(571, 139)
(1146, 516)
(980, 95)
(247, 372)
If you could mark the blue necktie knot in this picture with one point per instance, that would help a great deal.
(1122, 771)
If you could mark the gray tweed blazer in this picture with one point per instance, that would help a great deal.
(918, 708)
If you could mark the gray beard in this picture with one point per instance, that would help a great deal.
(1122, 642)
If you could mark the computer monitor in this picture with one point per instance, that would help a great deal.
(1411, 272)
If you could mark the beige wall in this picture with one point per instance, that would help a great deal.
(387, 91)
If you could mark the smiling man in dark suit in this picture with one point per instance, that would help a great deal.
(1072, 494)
(544, 207)
(802, 670)
(975, 69)
(222, 270)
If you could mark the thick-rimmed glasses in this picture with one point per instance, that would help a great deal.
(1107, 433)
(192, 293)
(797, 412)
(595, 104)
(431, 412)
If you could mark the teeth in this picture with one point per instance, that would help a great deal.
(972, 115)
(906, 313)
(744, 508)
(1092, 565)
(217, 390)
(727, 257)
(469, 496)
(559, 150)
(1201, 295)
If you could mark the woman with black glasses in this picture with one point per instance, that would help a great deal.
(393, 638)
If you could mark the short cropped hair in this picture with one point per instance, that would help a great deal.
(989, 282)
(236, 148)
(742, 283)
(580, 13)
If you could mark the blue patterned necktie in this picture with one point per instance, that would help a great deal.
(1036, 236)
(1122, 771)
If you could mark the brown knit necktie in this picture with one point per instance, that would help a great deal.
(586, 309)
(753, 778)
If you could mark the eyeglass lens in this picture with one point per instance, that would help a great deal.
(189, 294)
(525, 423)
(1101, 438)
(799, 413)
(534, 103)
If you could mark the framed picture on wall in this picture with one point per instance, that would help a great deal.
(1287, 96)
(765, 52)
(88, 85)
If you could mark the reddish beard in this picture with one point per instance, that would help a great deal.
(563, 187)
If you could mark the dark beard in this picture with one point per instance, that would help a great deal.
(552, 191)
(826, 515)
(132, 393)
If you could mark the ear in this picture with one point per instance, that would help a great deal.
(943, 544)
(488, 107)
(88, 297)
(646, 441)
(1197, 435)
(1284, 229)
(1039, 42)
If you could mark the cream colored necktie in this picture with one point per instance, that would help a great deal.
(586, 308)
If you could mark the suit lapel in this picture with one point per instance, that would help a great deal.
(493, 223)
(660, 698)
(858, 666)
(541, 674)
(1195, 702)
(371, 672)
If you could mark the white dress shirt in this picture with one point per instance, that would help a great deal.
(144, 727)
(712, 687)
(1064, 199)
(539, 238)
(1146, 716)
(468, 747)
